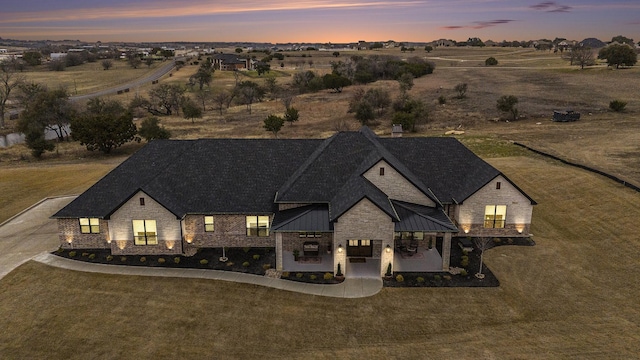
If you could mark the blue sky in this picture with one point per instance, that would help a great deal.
(317, 21)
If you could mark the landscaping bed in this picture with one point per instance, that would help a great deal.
(245, 260)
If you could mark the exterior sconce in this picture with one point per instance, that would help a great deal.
(340, 248)
(388, 248)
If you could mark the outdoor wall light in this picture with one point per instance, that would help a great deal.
(340, 248)
(388, 248)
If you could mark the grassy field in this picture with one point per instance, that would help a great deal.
(573, 295)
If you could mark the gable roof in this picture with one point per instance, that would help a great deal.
(251, 176)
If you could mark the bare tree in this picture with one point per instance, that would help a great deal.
(9, 80)
(287, 99)
(107, 64)
(221, 99)
(482, 243)
(581, 56)
(203, 96)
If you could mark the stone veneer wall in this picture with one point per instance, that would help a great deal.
(470, 215)
(363, 221)
(396, 186)
(229, 231)
(169, 229)
(71, 237)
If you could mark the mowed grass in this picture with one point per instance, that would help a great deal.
(25, 185)
(573, 295)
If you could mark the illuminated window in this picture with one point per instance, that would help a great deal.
(495, 216)
(208, 224)
(90, 225)
(145, 232)
(257, 226)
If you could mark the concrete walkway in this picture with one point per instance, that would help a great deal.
(349, 288)
(31, 234)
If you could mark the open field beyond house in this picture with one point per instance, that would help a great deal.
(573, 295)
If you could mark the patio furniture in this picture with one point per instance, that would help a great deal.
(311, 248)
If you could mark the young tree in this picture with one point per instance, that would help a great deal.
(220, 99)
(107, 64)
(190, 109)
(378, 98)
(32, 58)
(364, 112)
(618, 55)
(291, 115)
(336, 54)
(428, 48)
(273, 123)
(507, 103)
(482, 243)
(134, 60)
(148, 61)
(150, 129)
(203, 96)
(461, 89)
(262, 68)
(9, 80)
(103, 126)
(203, 76)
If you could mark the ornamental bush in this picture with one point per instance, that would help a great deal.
(617, 105)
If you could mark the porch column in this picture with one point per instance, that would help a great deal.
(279, 251)
(446, 251)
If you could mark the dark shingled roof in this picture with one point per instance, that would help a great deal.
(250, 176)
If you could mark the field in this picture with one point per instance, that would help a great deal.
(573, 295)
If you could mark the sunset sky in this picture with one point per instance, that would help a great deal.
(316, 21)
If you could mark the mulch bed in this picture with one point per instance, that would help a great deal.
(258, 260)
(245, 260)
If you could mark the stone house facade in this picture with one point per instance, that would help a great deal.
(353, 195)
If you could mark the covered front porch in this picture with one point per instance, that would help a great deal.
(323, 262)
(423, 260)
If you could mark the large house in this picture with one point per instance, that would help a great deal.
(231, 62)
(353, 195)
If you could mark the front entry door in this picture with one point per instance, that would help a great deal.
(359, 248)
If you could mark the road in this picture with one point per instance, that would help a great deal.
(157, 74)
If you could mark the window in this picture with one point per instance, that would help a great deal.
(381, 171)
(408, 235)
(257, 226)
(498, 185)
(304, 234)
(145, 232)
(208, 224)
(495, 216)
(141, 201)
(90, 225)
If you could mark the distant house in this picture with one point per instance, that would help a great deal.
(231, 62)
(57, 56)
(351, 196)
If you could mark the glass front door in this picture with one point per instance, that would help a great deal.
(359, 248)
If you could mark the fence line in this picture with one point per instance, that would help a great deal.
(584, 167)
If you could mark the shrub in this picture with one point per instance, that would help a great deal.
(491, 61)
(204, 262)
(464, 263)
(176, 260)
(285, 274)
(256, 257)
(420, 279)
(229, 263)
(246, 264)
(496, 240)
(109, 257)
(246, 249)
(85, 254)
(123, 258)
(447, 277)
(143, 259)
(313, 277)
(60, 250)
(437, 277)
(328, 276)
(72, 253)
(299, 275)
(92, 256)
(442, 100)
(461, 89)
(463, 272)
(266, 266)
(161, 261)
(399, 278)
(617, 105)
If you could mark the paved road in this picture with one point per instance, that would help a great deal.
(29, 234)
(157, 74)
(33, 235)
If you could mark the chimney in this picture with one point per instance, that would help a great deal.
(396, 130)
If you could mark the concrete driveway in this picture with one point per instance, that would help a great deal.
(30, 233)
